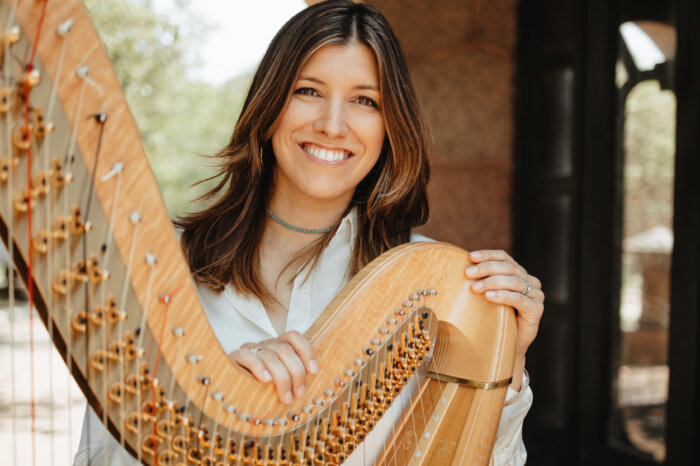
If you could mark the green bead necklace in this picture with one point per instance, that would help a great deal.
(300, 230)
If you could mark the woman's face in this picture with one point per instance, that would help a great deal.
(331, 131)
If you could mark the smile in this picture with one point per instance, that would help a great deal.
(327, 155)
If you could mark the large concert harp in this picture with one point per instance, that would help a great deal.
(91, 239)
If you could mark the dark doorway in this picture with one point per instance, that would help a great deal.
(606, 212)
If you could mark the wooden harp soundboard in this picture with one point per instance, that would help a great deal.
(89, 235)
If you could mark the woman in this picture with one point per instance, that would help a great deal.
(327, 168)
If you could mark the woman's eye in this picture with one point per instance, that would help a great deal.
(306, 91)
(367, 101)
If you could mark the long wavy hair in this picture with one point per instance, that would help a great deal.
(222, 242)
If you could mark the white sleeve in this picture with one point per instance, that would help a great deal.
(509, 449)
(97, 447)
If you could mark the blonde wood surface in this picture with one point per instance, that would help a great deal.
(203, 406)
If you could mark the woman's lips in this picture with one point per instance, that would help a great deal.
(327, 155)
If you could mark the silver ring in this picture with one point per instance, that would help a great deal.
(527, 289)
(256, 349)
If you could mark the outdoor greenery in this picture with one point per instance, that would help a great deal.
(649, 143)
(180, 119)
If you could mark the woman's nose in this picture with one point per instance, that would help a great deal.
(331, 119)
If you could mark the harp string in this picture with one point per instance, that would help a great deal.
(135, 220)
(30, 271)
(49, 260)
(151, 261)
(10, 243)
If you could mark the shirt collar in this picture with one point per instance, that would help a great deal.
(347, 228)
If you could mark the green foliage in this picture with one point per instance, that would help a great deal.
(650, 129)
(179, 118)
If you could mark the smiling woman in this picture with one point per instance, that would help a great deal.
(330, 134)
(325, 171)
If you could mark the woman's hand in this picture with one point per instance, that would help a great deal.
(284, 360)
(504, 281)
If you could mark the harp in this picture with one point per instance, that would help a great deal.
(86, 227)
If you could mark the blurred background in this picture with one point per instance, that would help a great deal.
(567, 132)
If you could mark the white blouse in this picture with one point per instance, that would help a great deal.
(237, 319)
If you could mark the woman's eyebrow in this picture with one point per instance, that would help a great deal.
(313, 79)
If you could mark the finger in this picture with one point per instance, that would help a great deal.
(528, 309)
(505, 282)
(489, 268)
(304, 349)
(294, 366)
(535, 282)
(280, 376)
(490, 255)
(252, 362)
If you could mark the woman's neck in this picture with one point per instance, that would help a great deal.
(303, 213)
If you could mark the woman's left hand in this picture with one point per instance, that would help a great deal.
(504, 281)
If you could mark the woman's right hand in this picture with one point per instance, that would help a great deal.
(284, 360)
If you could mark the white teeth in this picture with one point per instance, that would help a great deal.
(326, 154)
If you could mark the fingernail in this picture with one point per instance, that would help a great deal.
(313, 366)
(301, 390)
(476, 255)
(478, 286)
(266, 377)
(287, 398)
(490, 294)
(472, 270)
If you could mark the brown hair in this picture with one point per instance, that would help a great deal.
(222, 243)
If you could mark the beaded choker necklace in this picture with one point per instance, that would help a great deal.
(292, 227)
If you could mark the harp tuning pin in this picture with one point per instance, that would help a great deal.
(307, 409)
(317, 401)
(11, 36)
(79, 321)
(42, 241)
(118, 167)
(83, 72)
(77, 226)
(391, 321)
(31, 78)
(281, 421)
(135, 218)
(399, 312)
(7, 163)
(179, 332)
(229, 409)
(24, 202)
(150, 259)
(375, 341)
(348, 372)
(413, 297)
(328, 392)
(218, 396)
(293, 417)
(269, 422)
(244, 417)
(64, 28)
(358, 361)
(339, 383)
(385, 330)
(407, 304)
(433, 292)
(204, 380)
(194, 359)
